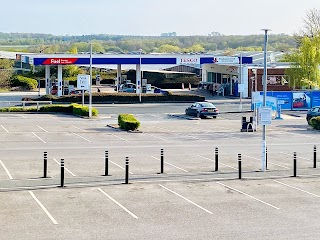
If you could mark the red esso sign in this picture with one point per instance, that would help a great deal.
(188, 60)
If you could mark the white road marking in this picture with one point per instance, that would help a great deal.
(185, 199)
(269, 163)
(297, 156)
(43, 208)
(296, 188)
(42, 128)
(79, 128)
(171, 165)
(38, 137)
(157, 137)
(4, 128)
(120, 166)
(65, 168)
(81, 137)
(22, 116)
(6, 169)
(119, 137)
(270, 205)
(219, 162)
(113, 200)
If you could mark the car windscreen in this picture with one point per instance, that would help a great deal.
(207, 105)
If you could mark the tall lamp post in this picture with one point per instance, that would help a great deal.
(264, 142)
(140, 83)
(90, 87)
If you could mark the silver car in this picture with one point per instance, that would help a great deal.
(202, 110)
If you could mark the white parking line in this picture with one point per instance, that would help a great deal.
(171, 165)
(157, 137)
(119, 166)
(219, 162)
(270, 163)
(119, 137)
(113, 200)
(296, 188)
(270, 205)
(22, 116)
(41, 128)
(79, 128)
(65, 168)
(6, 169)
(4, 128)
(185, 199)
(38, 137)
(43, 207)
(81, 137)
(288, 154)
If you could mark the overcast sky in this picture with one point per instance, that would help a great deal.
(153, 17)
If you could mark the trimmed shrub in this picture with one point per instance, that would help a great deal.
(56, 108)
(77, 109)
(25, 82)
(18, 109)
(128, 122)
(315, 123)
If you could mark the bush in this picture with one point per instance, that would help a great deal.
(128, 122)
(77, 109)
(25, 82)
(18, 109)
(315, 123)
(56, 108)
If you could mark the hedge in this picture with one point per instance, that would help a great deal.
(315, 123)
(125, 98)
(128, 122)
(21, 81)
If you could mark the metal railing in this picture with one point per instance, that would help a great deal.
(23, 104)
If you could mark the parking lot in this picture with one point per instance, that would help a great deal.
(189, 201)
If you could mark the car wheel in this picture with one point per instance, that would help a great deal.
(186, 112)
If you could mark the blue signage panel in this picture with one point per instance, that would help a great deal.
(285, 97)
(301, 100)
(315, 98)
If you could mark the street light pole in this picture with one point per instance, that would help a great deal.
(90, 87)
(264, 142)
(140, 84)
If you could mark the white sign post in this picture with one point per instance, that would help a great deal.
(83, 84)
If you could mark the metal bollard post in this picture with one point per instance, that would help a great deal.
(62, 173)
(216, 159)
(161, 161)
(294, 164)
(266, 158)
(45, 164)
(127, 171)
(314, 156)
(239, 164)
(106, 164)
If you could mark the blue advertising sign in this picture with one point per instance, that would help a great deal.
(285, 98)
(315, 98)
(301, 100)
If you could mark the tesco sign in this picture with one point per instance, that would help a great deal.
(188, 61)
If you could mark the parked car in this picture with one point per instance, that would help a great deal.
(54, 90)
(313, 112)
(127, 87)
(202, 110)
(77, 91)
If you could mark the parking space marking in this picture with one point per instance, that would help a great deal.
(270, 163)
(22, 116)
(116, 202)
(187, 135)
(119, 166)
(157, 137)
(171, 165)
(119, 137)
(38, 137)
(42, 128)
(43, 207)
(219, 162)
(79, 128)
(268, 204)
(65, 168)
(6, 169)
(81, 137)
(188, 200)
(301, 190)
(288, 154)
(4, 128)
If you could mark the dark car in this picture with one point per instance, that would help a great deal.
(202, 110)
(313, 112)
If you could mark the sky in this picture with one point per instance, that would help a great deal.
(153, 17)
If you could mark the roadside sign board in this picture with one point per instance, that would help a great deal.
(83, 81)
(264, 116)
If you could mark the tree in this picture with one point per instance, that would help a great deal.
(5, 72)
(167, 48)
(312, 23)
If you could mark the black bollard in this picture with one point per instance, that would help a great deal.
(106, 164)
(216, 159)
(294, 164)
(161, 160)
(45, 164)
(127, 171)
(239, 164)
(62, 173)
(314, 156)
